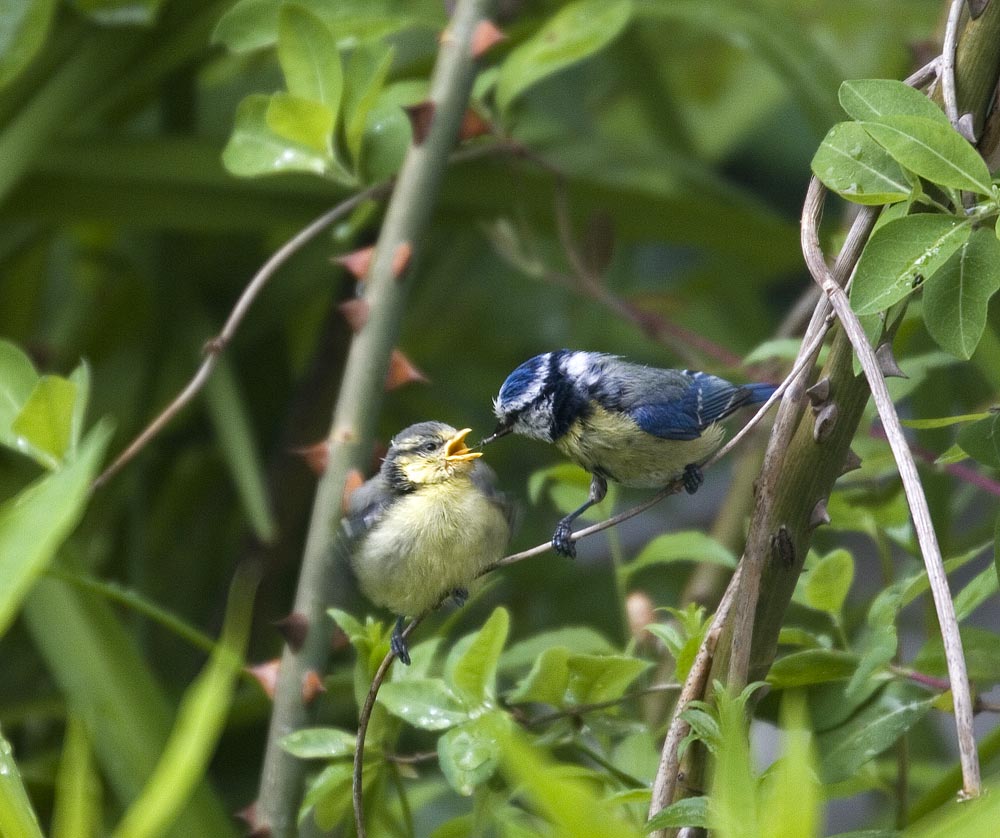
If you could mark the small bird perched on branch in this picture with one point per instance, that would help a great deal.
(426, 525)
(636, 425)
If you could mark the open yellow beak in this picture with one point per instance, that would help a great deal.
(456, 451)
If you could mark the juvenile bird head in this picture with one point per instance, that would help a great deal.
(426, 453)
(545, 395)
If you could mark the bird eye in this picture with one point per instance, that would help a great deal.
(428, 447)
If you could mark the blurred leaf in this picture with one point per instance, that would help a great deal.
(546, 682)
(811, 666)
(956, 302)
(902, 254)
(577, 31)
(828, 582)
(953, 454)
(689, 545)
(201, 719)
(873, 730)
(981, 440)
(578, 639)
(366, 74)
(120, 12)
(426, 703)
(17, 380)
(853, 165)
(960, 817)
(43, 428)
(309, 58)
(25, 27)
(469, 754)
(17, 817)
(80, 378)
(35, 523)
(319, 743)
(872, 99)
(230, 418)
(688, 811)
(471, 670)
(76, 813)
(982, 587)
(254, 148)
(944, 421)
(567, 486)
(733, 800)
(329, 794)
(932, 150)
(597, 678)
(981, 650)
(790, 796)
(301, 121)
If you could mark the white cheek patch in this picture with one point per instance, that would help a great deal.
(536, 421)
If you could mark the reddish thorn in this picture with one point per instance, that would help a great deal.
(355, 312)
(484, 37)
(354, 481)
(473, 125)
(358, 262)
(312, 686)
(315, 455)
(852, 462)
(402, 371)
(266, 674)
(249, 816)
(401, 258)
(339, 640)
(294, 627)
(421, 115)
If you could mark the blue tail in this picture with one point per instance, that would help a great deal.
(759, 393)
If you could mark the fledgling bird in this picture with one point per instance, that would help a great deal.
(426, 524)
(636, 425)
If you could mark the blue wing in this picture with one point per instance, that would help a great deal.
(689, 410)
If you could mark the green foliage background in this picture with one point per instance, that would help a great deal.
(687, 128)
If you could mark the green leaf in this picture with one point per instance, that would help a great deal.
(120, 12)
(43, 428)
(981, 440)
(872, 99)
(812, 666)
(80, 378)
(35, 523)
(366, 73)
(932, 150)
(309, 58)
(254, 148)
(469, 754)
(902, 254)
(567, 485)
(471, 669)
(981, 649)
(547, 681)
(201, 719)
(853, 165)
(579, 639)
(17, 817)
(426, 703)
(17, 380)
(25, 27)
(876, 728)
(827, 582)
(956, 302)
(329, 795)
(76, 813)
(688, 811)
(944, 421)
(301, 121)
(319, 743)
(575, 32)
(688, 545)
(790, 796)
(734, 808)
(597, 678)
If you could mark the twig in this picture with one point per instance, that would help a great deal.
(948, 52)
(352, 426)
(364, 717)
(214, 346)
(665, 782)
(581, 709)
(912, 487)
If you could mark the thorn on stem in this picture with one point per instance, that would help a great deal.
(473, 125)
(852, 462)
(977, 7)
(357, 262)
(355, 312)
(315, 455)
(819, 393)
(250, 817)
(266, 674)
(967, 128)
(484, 37)
(402, 371)
(826, 419)
(312, 686)
(293, 627)
(887, 362)
(354, 482)
(421, 115)
(401, 258)
(820, 515)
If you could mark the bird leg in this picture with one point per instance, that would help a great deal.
(693, 478)
(398, 643)
(561, 540)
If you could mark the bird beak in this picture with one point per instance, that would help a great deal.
(456, 451)
(501, 429)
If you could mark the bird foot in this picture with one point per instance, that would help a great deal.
(398, 643)
(562, 541)
(693, 478)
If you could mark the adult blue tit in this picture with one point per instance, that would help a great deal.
(426, 525)
(637, 425)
